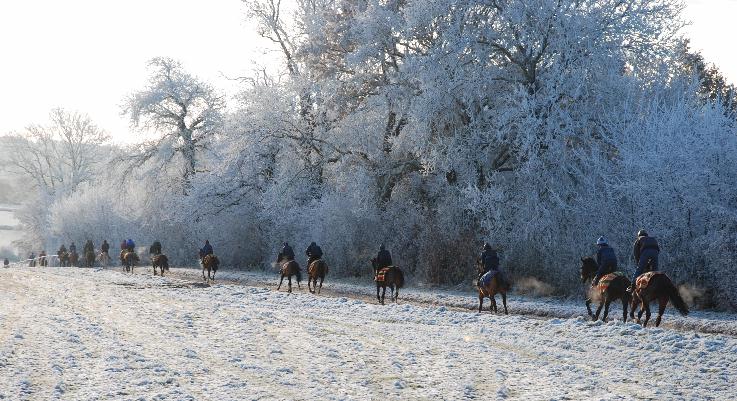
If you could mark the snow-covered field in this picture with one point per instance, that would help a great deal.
(81, 334)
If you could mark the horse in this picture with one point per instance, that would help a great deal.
(290, 268)
(74, 259)
(611, 287)
(389, 276)
(658, 286)
(317, 269)
(491, 285)
(104, 259)
(210, 263)
(89, 258)
(160, 261)
(63, 259)
(129, 259)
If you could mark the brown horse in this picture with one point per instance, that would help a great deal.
(74, 259)
(611, 287)
(129, 259)
(89, 258)
(160, 261)
(210, 263)
(653, 286)
(317, 269)
(63, 259)
(491, 285)
(290, 268)
(390, 276)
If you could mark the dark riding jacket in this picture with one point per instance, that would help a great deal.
(287, 253)
(105, 247)
(606, 260)
(644, 243)
(490, 260)
(384, 258)
(313, 252)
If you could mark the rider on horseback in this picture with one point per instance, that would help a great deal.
(286, 254)
(72, 248)
(105, 247)
(606, 259)
(206, 250)
(155, 248)
(62, 250)
(130, 245)
(313, 253)
(384, 258)
(489, 260)
(88, 246)
(645, 252)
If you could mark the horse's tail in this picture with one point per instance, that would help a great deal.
(676, 299)
(399, 280)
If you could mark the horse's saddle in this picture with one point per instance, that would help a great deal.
(487, 277)
(644, 279)
(381, 273)
(607, 279)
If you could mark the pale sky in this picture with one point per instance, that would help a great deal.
(86, 55)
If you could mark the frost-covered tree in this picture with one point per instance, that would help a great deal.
(60, 155)
(184, 112)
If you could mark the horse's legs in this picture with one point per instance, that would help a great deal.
(391, 297)
(606, 308)
(378, 288)
(309, 283)
(662, 303)
(280, 281)
(203, 273)
(481, 300)
(289, 282)
(493, 303)
(647, 313)
(624, 309)
(598, 310)
(588, 307)
(396, 295)
(504, 301)
(320, 288)
(383, 294)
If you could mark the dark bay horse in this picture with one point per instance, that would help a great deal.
(89, 258)
(290, 268)
(491, 285)
(74, 259)
(653, 286)
(160, 261)
(63, 259)
(390, 276)
(317, 269)
(210, 263)
(611, 287)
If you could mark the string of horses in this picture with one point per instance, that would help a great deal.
(649, 287)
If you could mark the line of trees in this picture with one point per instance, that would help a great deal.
(431, 127)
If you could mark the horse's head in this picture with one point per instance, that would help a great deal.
(588, 268)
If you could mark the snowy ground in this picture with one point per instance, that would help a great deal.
(82, 334)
